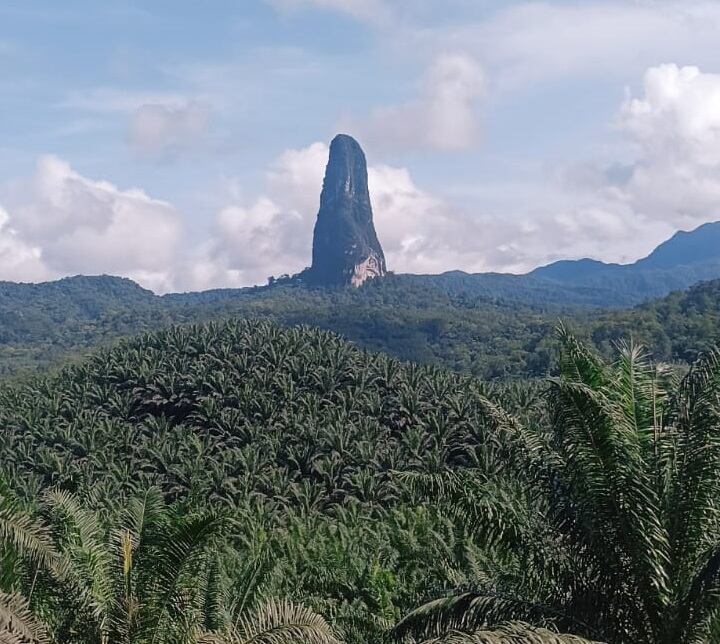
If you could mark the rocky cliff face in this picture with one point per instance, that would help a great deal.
(346, 250)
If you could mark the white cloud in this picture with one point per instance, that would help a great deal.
(538, 40)
(72, 224)
(270, 235)
(256, 241)
(413, 226)
(444, 117)
(161, 131)
(66, 223)
(535, 40)
(679, 113)
(160, 125)
(18, 260)
(295, 179)
(422, 233)
(675, 127)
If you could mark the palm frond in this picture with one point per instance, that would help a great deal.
(510, 633)
(18, 624)
(29, 537)
(604, 422)
(282, 622)
(496, 509)
(179, 553)
(469, 612)
(83, 538)
(246, 589)
(141, 511)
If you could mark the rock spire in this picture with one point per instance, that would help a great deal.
(346, 250)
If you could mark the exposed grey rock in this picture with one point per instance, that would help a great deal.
(346, 250)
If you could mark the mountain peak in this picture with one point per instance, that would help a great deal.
(686, 247)
(346, 249)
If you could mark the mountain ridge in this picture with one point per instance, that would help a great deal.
(453, 325)
(676, 264)
(701, 245)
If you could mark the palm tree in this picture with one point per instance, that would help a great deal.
(155, 574)
(26, 551)
(612, 530)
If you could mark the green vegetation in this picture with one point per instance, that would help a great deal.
(614, 534)
(444, 320)
(294, 431)
(245, 482)
(143, 572)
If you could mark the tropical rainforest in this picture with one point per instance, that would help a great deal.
(245, 481)
(448, 320)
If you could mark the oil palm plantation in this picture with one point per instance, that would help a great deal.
(606, 525)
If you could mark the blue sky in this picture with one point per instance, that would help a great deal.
(183, 143)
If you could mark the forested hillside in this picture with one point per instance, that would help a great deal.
(238, 483)
(41, 326)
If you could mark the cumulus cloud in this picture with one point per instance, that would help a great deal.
(413, 225)
(425, 233)
(69, 224)
(678, 115)
(251, 243)
(675, 126)
(164, 130)
(269, 235)
(19, 261)
(444, 117)
(295, 178)
(66, 223)
(160, 125)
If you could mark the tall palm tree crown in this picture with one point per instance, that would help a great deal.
(615, 535)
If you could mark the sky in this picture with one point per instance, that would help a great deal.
(183, 143)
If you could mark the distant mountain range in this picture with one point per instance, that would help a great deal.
(408, 315)
(491, 324)
(683, 260)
